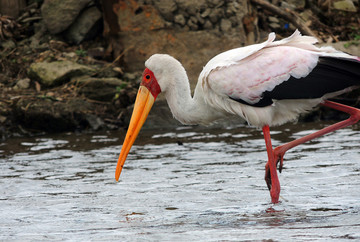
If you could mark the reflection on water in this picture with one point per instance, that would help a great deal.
(188, 184)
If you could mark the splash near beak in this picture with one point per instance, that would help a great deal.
(143, 103)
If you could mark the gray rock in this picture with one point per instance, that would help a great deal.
(274, 26)
(94, 121)
(22, 84)
(48, 115)
(215, 15)
(183, 4)
(56, 73)
(166, 8)
(232, 8)
(194, 19)
(2, 119)
(199, 18)
(132, 76)
(192, 23)
(345, 5)
(234, 21)
(8, 44)
(306, 15)
(351, 47)
(101, 89)
(273, 19)
(208, 25)
(294, 4)
(84, 26)
(225, 25)
(180, 19)
(287, 5)
(214, 3)
(205, 13)
(192, 7)
(58, 15)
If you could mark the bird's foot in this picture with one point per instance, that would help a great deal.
(279, 165)
(271, 178)
(273, 185)
(279, 157)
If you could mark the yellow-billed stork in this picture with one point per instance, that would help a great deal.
(266, 84)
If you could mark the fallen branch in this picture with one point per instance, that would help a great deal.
(287, 15)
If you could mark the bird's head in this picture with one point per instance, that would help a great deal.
(152, 83)
(159, 76)
(147, 93)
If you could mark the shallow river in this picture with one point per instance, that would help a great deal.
(180, 184)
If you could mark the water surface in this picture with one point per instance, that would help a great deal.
(183, 184)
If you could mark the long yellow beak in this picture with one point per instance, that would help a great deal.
(143, 103)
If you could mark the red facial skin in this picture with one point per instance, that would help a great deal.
(150, 82)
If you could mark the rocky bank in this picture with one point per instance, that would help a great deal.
(71, 65)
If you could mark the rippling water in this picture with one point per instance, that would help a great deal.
(185, 184)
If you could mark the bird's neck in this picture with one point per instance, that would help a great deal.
(184, 107)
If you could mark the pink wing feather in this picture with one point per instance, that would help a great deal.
(261, 72)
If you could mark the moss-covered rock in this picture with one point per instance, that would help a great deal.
(56, 73)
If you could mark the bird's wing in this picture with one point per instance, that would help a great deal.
(263, 71)
(246, 73)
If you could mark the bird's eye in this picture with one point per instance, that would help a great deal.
(147, 77)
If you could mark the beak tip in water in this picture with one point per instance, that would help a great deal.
(118, 172)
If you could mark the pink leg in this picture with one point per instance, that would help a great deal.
(271, 176)
(279, 152)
